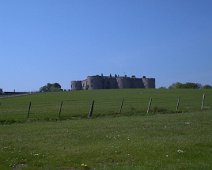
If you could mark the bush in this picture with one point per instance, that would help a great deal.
(188, 85)
(55, 87)
(207, 87)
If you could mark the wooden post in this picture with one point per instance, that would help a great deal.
(91, 110)
(122, 103)
(60, 110)
(29, 108)
(178, 104)
(149, 105)
(203, 100)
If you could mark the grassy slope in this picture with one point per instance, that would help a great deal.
(171, 141)
(77, 103)
(161, 141)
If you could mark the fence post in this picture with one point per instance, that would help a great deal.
(203, 100)
(122, 103)
(91, 110)
(29, 108)
(178, 104)
(149, 105)
(60, 110)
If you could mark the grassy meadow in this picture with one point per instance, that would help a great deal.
(76, 104)
(132, 139)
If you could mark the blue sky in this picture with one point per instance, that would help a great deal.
(45, 41)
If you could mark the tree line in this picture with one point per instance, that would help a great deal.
(189, 85)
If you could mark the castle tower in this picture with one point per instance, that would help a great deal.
(123, 82)
(76, 85)
(95, 82)
(148, 82)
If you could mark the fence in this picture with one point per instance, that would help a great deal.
(74, 109)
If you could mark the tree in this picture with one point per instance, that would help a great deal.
(175, 85)
(191, 86)
(55, 87)
(187, 85)
(207, 86)
(162, 88)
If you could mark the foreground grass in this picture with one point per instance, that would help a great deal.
(169, 141)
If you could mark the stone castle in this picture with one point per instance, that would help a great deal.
(112, 82)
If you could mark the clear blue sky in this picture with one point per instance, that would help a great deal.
(45, 41)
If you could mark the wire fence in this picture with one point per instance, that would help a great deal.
(74, 109)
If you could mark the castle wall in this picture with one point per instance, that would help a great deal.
(110, 83)
(95, 82)
(149, 82)
(123, 82)
(137, 83)
(76, 85)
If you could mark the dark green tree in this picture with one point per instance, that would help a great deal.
(175, 85)
(191, 86)
(188, 85)
(207, 86)
(55, 87)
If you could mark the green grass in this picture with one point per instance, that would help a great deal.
(131, 140)
(76, 104)
(168, 141)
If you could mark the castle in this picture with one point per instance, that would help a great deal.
(112, 82)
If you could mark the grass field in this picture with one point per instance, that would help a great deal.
(130, 140)
(76, 104)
